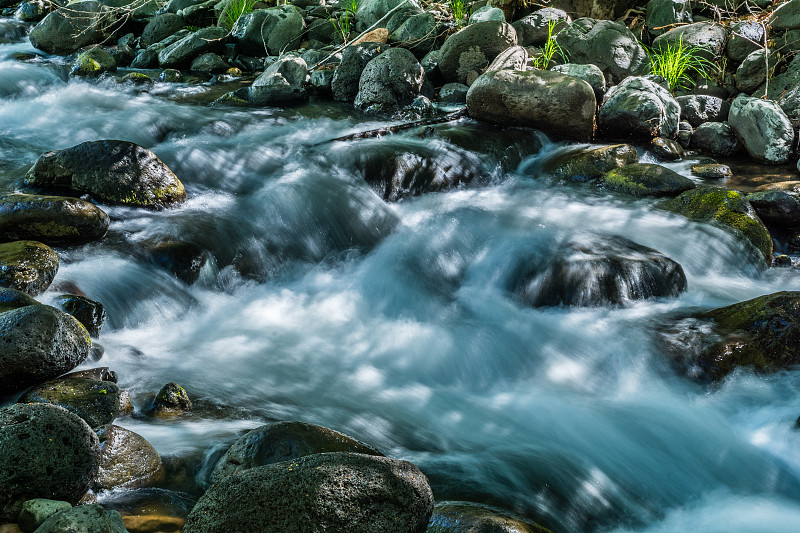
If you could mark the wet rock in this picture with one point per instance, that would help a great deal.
(114, 171)
(171, 75)
(84, 519)
(183, 259)
(93, 62)
(50, 219)
(270, 31)
(727, 209)
(712, 171)
(147, 58)
(170, 402)
(284, 441)
(418, 33)
(209, 63)
(96, 402)
(38, 343)
(746, 37)
(645, 180)
(762, 333)
(34, 512)
(354, 59)
(776, 207)
(466, 53)
(14, 299)
(558, 104)
(709, 36)
(785, 17)
(512, 58)
(662, 15)
(666, 149)
(763, 129)
(592, 270)
(160, 27)
(282, 83)
(533, 29)
(640, 109)
(27, 266)
(181, 53)
(468, 517)
(685, 132)
(755, 70)
(587, 164)
(137, 78)
(153, 523)
(33, 10)
(397, 169)
(337, 492)
(453, 93)
(48, 452)
(782, 261)
(66, 30)
(699, 108)
(715, 138)
(389, 82)
(609, 45)
(126, 460)
(591, 74)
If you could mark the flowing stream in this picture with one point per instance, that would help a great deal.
(393, 322)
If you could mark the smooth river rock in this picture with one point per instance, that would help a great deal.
(66, 30)
(763, 129)
(638, 108)
(27, 266)
(97, 402)
(51, 219)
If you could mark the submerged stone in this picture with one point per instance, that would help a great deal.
(171, 401)
(645, 179)
(588, 164)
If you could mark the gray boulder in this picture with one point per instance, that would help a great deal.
(640, 109)
(88, 312)
(487, 13)
(755, 70)
(113, 171)
(661, 15)
(97, 402)
(33, 10)
(466, 53)
(282, 83)
(66, 30)
(698, 109)
(609, 45)
(786, 81)
(715, 138)
(27, 266)
(453, 93)
(591, 74)
(181, 53)
(533, 29)
(513, 58)
(371, 11)
(160, 27)
(790, 104)
(354, 59)
(389, 82)
(34, 512)
(709, 36)
(39, 343)
(269, 32)
(50, 219)
(786, 16)
(126, 460)
(645, 180)
(209, 63)
(284, 441)
(763, 129)
(84, 519)
(45, 452)
(560, 105)
(777, 208)
(334, 492)
(746, 37)
(418, 33)
(685, 132)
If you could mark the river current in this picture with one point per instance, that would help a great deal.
(393, 322)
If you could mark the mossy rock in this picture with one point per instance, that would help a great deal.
(27, 266)
(728, 209)
(137, 78)
(126, 460)
(284, 441)
(588, 165)
(51, 219)
(645, 179)
(468, 517)
(171, 401)
(712, 171)
(88, 312)
(96, 402)
(762, 333)
(93, 62)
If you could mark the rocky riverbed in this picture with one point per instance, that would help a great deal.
(376, 266)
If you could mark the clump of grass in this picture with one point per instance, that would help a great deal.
(233, 10)
(344, 21)
(460, 11)
(678, 64)
(550, 49)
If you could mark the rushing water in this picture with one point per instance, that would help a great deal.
(393, 323)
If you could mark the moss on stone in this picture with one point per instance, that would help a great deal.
(644, 179)
(27, 266)
(588, 165)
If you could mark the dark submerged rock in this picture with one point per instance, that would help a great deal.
(27, 266)
(284, 441)
(96, 402)
(331, 492)
(88, 312)
(50, 219)
(45, 452)
(126, 460)
(468, 517)
(645, 179)
(113, 171)
(588, 164)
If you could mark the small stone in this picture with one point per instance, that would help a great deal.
(171, 401)
(170, 75)
(137, 78)
(378, 35)
(714, 171)
(782, 260)
(666, 149)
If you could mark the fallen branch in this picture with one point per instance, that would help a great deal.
(388, 130)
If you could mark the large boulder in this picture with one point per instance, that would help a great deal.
(698, 109)
(763, 129)
(776, 208)
(762, 333)
(727, 209)
(715, 138)
(126, 460)
(119, 172)
(756, 69)
(709, 36)
(638, 108)
(160, 27)
(534, 29)
(68, 29)
(344, 85)
(587, 164)
(746, 37)
(50, 219)
(591, 270)
(786, 16)
(591, 74)
(466, 53)
(282, 83)
(331, 492)
(269, 32)
(34, 512)
(181, 53)
(389, 82)
(468, 517)
(605, 43)
(97, 402)
(27, 266)
(555, 103)
(662, 15)
(90, 518)
(418, 33)
(38, 343)
(371, 11)
(646, 179)
(45, 452)
(284, 441)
